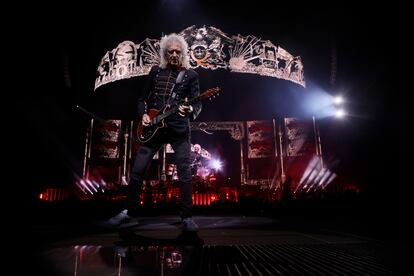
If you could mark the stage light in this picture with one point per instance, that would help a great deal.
(338, 100)
(339, 113)
(216, 164)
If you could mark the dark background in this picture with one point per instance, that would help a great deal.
(66, 44)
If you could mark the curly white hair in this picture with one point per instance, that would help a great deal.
(166, 41)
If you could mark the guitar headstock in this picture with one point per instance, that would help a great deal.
(210, 93)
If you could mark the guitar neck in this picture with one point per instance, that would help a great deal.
(209, 93)
(174, 109)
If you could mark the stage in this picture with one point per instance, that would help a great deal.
(296, 165)
(225, 245)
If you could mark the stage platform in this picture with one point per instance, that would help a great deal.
(224, 245)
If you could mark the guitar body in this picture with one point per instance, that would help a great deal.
(146, 133)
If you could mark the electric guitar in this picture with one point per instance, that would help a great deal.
(146, 133)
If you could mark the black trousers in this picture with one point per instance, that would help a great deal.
(182, 149)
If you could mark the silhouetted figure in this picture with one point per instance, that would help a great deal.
(286, 194)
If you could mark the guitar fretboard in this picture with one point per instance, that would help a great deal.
(171, 111)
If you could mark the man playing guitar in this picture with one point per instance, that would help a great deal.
(169, 84)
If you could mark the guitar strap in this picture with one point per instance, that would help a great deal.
(178, 80)
(180, 76)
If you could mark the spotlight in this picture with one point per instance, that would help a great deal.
(338, 100)
(216, 164)
(340, 113)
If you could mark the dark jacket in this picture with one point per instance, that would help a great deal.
(161, 90)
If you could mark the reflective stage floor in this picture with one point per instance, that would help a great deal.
(225, 245)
